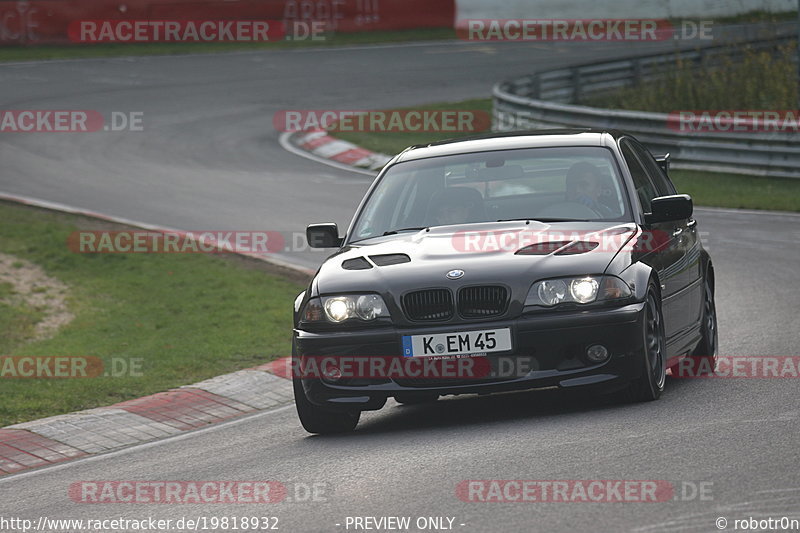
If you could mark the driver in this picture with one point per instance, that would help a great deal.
(584, 187)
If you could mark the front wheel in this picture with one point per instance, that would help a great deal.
(705, 354)
(315, 419)
(650, 384)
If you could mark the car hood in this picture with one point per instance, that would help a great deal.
(486, 253)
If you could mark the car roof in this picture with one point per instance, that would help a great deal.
(511, 141)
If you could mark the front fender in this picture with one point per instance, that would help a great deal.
(638, 276)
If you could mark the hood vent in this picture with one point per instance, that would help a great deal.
(390, 259)
(542, 248)
(359, 263)
(580, 247)
(560, 247)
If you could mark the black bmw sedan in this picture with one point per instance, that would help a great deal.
(554, 258)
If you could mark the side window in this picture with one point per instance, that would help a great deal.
(644, 186)
(662, 185)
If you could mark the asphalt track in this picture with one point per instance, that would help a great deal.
(209, 159)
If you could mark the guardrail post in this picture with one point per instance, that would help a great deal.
(703, 59)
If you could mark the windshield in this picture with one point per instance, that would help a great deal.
(547, 184)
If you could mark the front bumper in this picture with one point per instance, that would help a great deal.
(549, 347)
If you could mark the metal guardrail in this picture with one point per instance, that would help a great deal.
(546, 99)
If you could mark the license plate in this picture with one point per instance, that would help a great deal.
(462, 343)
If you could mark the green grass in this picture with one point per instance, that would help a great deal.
(17, 320)
(757, 15)
(738, 191)
(187, 317)
(73, 51)
(759, 80)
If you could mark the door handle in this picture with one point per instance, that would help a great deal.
(691, 224)
(677, 232)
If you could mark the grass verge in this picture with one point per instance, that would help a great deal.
(75, 51)
(714, 189)
(707, 188)
(17, 320)
(759, 79)
(182, 318)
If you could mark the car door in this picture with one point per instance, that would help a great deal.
(660, 247)
(686, 278)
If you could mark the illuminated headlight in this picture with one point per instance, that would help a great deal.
(337, 309)
(582, 290)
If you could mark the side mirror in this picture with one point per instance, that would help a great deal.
(670, 208)
(663, 162)
(323, 235)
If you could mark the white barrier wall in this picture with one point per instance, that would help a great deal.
(585, 9)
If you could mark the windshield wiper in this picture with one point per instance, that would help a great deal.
(395, 232)
(531, 219)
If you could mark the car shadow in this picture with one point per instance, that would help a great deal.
(472, 410)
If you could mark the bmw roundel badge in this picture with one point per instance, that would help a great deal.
(455, 274)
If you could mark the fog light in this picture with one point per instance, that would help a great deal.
(331, 372)
(597, 353)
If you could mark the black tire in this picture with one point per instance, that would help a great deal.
(416, 399)
(315, 419)
(650, 384)
(705, 354)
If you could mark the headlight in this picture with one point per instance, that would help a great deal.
(551, 292)
(369, 307)
(582, 290)
(337, 309)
